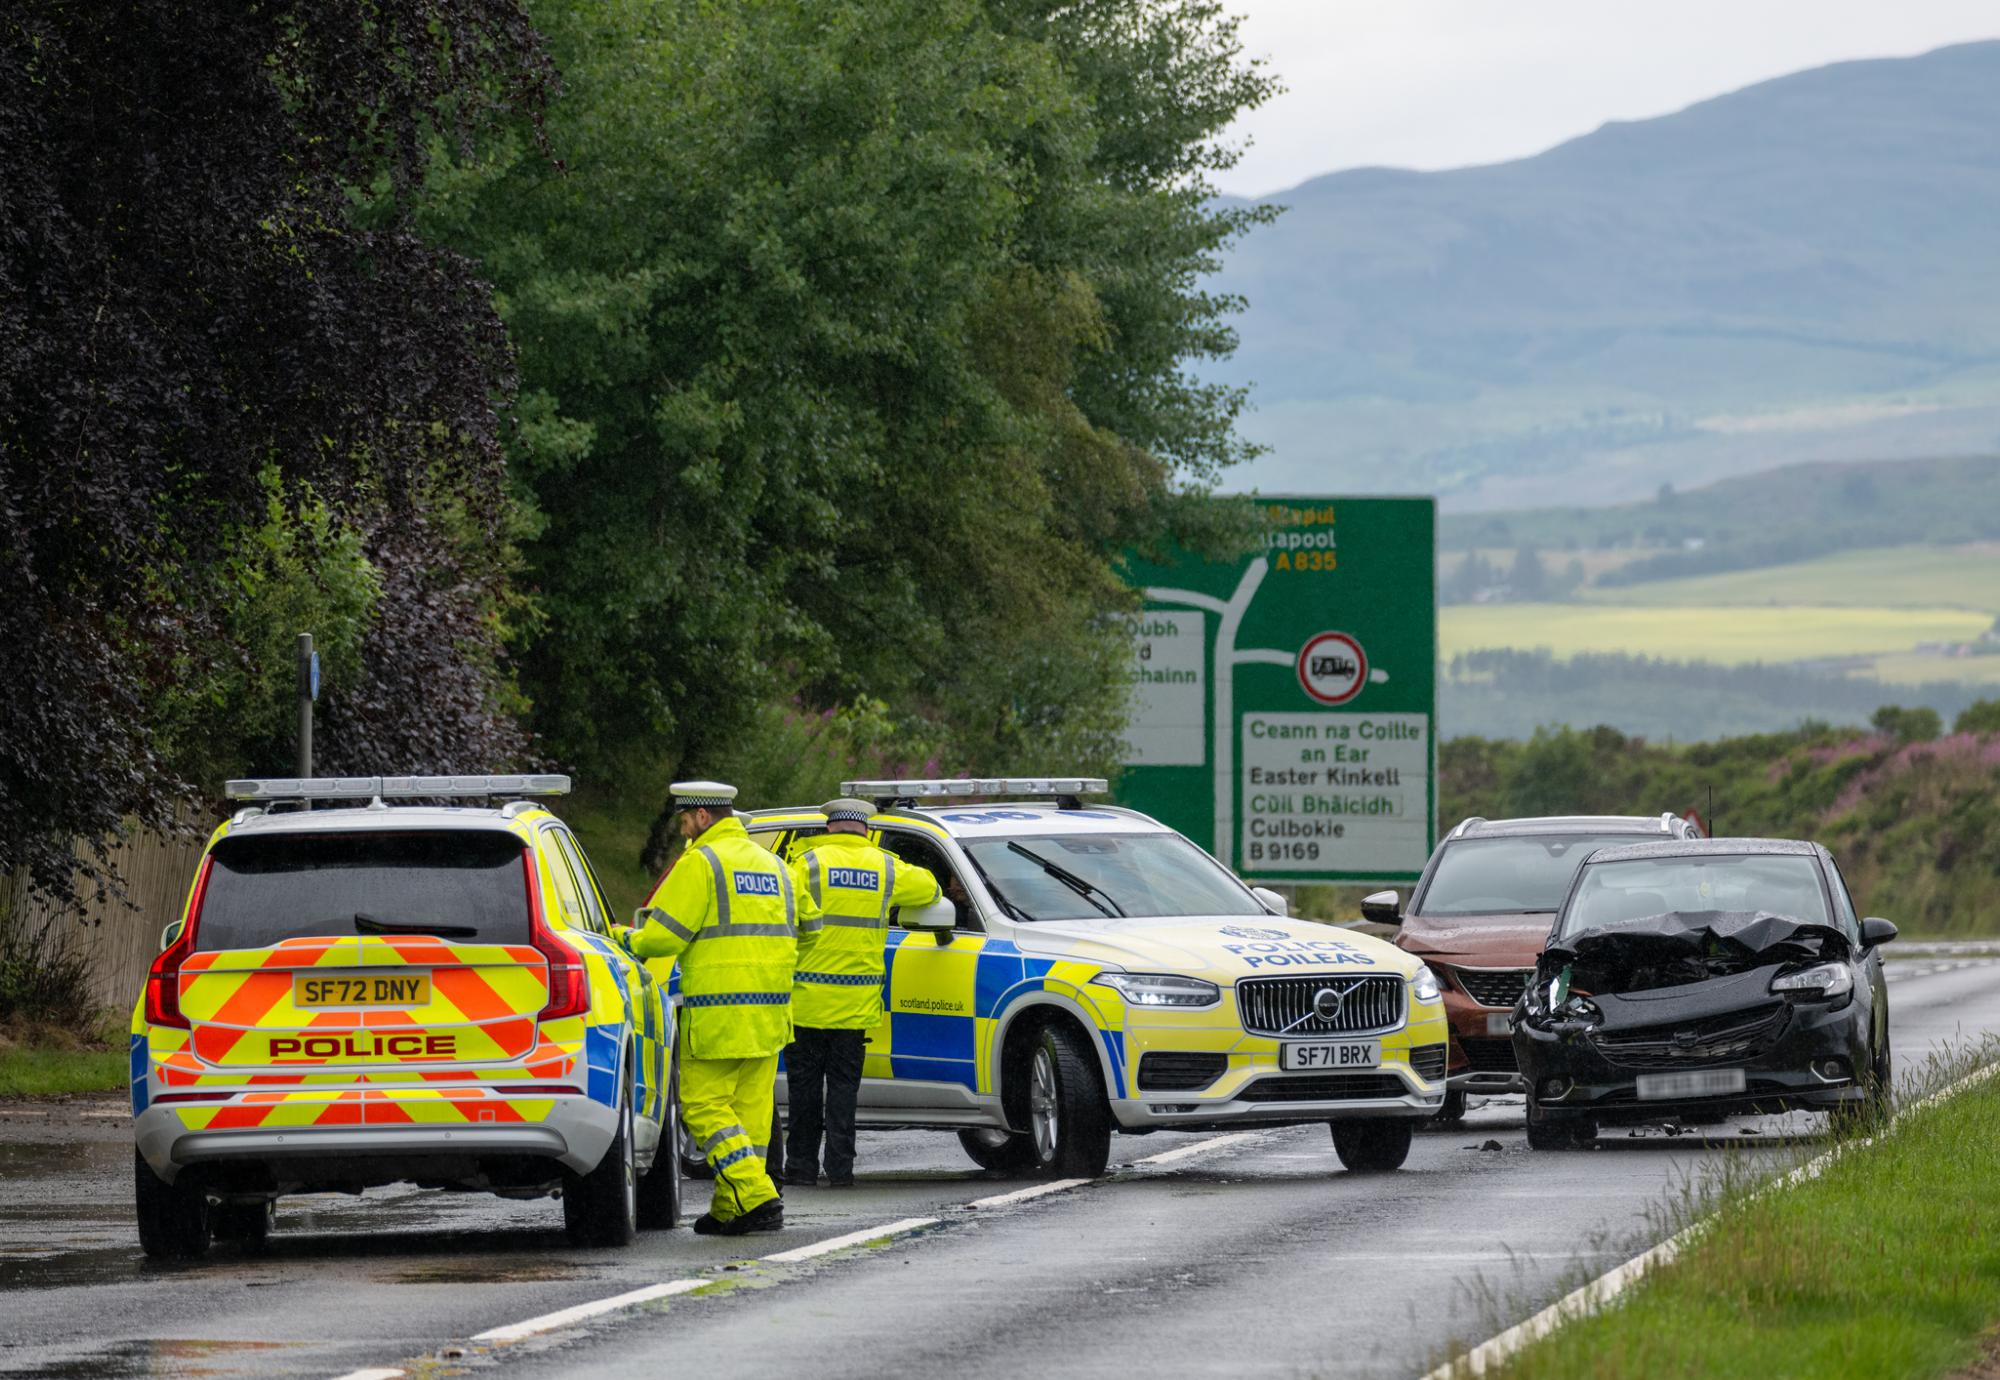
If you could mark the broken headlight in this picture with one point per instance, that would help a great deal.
(1821, 981)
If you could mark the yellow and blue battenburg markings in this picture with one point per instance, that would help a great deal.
(945, 1002)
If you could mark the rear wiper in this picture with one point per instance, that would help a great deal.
(368, 924)
(1096, 895)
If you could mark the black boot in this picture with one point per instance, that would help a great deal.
(764, 1217)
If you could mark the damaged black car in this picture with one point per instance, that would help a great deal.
(1702, 979)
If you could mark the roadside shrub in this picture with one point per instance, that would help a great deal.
(44, 974)
(1908, 725)
(1981, 716)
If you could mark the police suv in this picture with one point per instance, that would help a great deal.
(392, 990)
(1092, 970)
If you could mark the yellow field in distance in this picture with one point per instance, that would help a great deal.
(1720, 633)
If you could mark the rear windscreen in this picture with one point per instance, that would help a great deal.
(464, 885)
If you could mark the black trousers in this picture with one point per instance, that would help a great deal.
(822, 1082)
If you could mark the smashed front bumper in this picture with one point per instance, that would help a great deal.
(1814, 1057)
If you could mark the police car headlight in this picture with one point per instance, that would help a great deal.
(1824, 980)
(1424, 985)
(1160, 989)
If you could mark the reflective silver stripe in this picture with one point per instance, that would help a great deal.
(747, 930)
(810, 926)
(812, 876)
(720, 1136)
(791, 901)
(888, 885)
(721, 884)
(665, 922)
(857, 922)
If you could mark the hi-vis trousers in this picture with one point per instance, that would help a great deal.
(727, 1105)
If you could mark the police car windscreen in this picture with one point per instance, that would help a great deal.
(1509, 876)
(1620, 893)
(462, 884)
(1121, 874)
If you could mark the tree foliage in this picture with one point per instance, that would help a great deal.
(195, 322)
(853, 345)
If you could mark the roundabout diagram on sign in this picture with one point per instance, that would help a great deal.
(1333, 668)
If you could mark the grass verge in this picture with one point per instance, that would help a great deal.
(1884, 1263)
(27, 1072)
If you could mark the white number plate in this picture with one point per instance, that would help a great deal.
(1334, 1054)
(1500, 1023)
(1695, 1083)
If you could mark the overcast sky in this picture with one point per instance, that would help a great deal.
(1446, 83)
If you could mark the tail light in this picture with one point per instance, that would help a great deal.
(569, 987)
(163, 979)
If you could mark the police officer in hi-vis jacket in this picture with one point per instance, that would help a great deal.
(728, 910)
(851, 887)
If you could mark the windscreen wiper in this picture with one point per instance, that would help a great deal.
(1090, 892)
(368, 924)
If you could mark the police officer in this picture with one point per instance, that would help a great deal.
(837, 994)
(729, 910)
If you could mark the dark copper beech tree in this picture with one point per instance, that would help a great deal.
(207, 277)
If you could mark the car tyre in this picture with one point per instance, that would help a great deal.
(601, 1208)
(1069, 1121)
(1001, 1152)
(1881, 1086)
(245, 1224)
(1453, 1110)
(1373, 1145)
(660, 1189)
(173, 1217)
(1557, 1133)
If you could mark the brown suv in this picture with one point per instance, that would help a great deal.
(1480, 915)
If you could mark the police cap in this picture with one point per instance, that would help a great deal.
(847, 809)
(703, 795)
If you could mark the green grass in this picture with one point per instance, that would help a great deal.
(1730, 635)
(29, 1071)
(1887, 1264)
(1906, 577)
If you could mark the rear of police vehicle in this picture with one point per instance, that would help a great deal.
(359, 996)
(1095, 970)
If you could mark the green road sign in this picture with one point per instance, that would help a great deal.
(1285, 702)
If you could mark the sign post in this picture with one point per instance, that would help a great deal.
(308, 692)
(1285, 702)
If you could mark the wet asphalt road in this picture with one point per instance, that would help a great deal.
(1260, 1256)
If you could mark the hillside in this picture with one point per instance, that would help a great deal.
(1800, 270)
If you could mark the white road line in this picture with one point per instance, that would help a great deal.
(379, 1373)
(1588, 1299)
(1022, 1195)
(853, 1238)
(1201, 1147)
(563, 1317)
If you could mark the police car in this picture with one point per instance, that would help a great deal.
(381, 992)
(1091, 971)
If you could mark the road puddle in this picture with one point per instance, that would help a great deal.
(160, 1357)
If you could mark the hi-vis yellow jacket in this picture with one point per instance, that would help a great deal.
(729, 911)
(852, 885)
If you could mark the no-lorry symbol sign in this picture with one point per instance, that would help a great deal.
(1333, 668)
(1284, 701)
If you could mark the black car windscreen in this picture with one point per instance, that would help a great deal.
(465, 884)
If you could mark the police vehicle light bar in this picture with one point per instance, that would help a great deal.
(938, 788)
(392, 787)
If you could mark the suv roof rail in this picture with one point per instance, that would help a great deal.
(1066, 791)
(1465, 824)
(393, 787)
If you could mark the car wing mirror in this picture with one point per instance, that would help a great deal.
(1383, 907)
(1273, 901)
(1875, 930)
(171, 933)
(939, 918)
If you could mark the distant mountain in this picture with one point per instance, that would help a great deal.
(1805, 269)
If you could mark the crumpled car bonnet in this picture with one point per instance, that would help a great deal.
(1708, 942)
